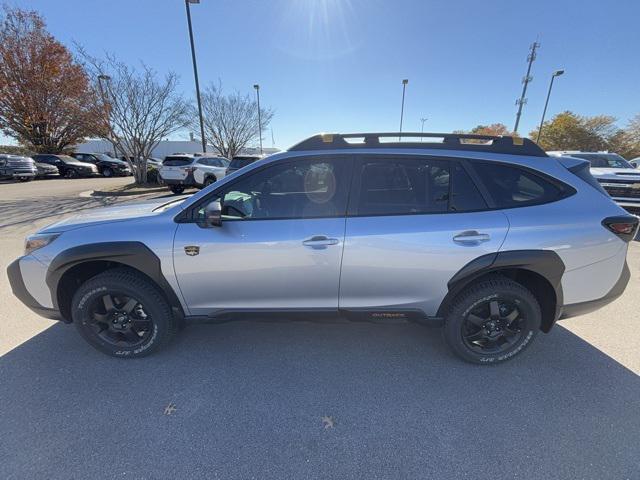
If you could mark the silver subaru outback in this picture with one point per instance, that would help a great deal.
(488, 236)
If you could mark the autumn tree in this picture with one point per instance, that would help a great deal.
(493, 129)
(569, 131)
(46, 102)
(139, 108)
(231, 121)
(626, 141)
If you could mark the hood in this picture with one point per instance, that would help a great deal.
(96, 216)
(619, 173)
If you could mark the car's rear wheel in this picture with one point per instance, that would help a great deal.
(71, 173)
(177, 189)
(209, 180)
(122, 314)
(492, 321)
(107, 172)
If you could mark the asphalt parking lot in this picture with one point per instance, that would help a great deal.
(247, 399)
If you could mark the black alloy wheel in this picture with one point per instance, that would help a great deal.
(493, 326)
(123, 314)
(120, 320)
(492, 320)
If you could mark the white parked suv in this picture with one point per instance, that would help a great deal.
(619, 178)
(182, 171)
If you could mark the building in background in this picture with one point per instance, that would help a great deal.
(165, 147)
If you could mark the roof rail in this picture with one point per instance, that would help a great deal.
(449, 141)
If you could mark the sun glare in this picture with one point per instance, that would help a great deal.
(318, 29)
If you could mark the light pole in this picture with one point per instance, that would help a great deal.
(257, 87)
(404, 87)
(107, 108)
(195, 72)
(557, 73)
(424, 119)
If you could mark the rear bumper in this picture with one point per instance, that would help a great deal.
(582, 308)
(20, 291)
(188, 181)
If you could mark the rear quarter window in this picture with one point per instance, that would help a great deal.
(511, 186)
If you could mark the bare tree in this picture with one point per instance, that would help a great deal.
(139, 108)
(231, 121)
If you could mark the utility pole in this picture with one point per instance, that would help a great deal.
(423, 119)
(404, 87)
(195, 72)
(257, 87)
(525, 83)
(557, 73)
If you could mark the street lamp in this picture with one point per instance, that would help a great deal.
(107, 108)
(557, 73)
(195, 72)
(257, 87)
(424, 119)
(404, 87)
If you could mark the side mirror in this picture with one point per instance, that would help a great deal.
(213, 214)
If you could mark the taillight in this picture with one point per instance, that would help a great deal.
(624, 226)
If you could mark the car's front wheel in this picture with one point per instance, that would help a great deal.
(71, 173)
(209, 180)
(122, 314)
(107, 172)
(492, 321)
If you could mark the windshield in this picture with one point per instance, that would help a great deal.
(604, 160)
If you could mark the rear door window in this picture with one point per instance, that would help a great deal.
(414, 185)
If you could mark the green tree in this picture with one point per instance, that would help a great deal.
(569, 131)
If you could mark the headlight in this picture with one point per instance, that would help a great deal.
(34, 242)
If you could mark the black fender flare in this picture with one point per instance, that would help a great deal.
(132, 254)
(545, 263)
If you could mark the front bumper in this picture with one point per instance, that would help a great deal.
(20, 290)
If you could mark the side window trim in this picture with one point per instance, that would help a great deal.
(475, 178)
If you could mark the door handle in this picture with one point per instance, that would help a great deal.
(320, 241)
(471, 237)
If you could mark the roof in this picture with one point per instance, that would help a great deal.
(444, 141)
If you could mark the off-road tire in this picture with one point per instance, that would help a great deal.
(485, 290)
(127, 282)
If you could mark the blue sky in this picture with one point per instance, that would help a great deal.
(337, 65)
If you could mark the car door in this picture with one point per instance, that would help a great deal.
(280, 243)
(413, 222)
